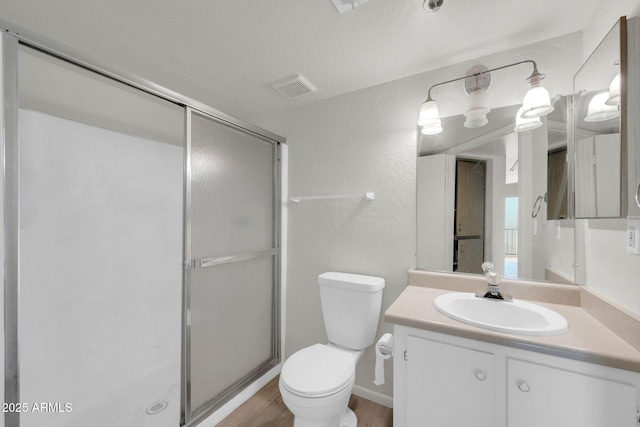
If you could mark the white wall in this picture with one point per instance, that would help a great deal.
(366, 141)
(101, 238)
(609, 268)
(604, 18)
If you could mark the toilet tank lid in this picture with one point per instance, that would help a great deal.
(351, 281)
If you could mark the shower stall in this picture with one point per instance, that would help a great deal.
(141, 247)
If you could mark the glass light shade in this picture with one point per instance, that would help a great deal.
(523, 124)
(599, 111)
(475, 120)
(536, 103)
(429, 118)
(476, 114)
(432, 127)
(614, 91)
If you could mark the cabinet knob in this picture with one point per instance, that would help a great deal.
(523, 386)
(480, 375)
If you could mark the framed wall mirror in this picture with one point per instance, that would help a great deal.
(505, 197)
(600, 129)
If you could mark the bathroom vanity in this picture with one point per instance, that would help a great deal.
(447, 373)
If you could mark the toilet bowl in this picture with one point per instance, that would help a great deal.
(316, 382)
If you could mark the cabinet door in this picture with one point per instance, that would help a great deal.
(448, 386)
(539, 395)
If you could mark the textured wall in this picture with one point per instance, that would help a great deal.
(603, 20)
(366, 141)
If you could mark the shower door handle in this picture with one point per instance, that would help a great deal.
(226, 259)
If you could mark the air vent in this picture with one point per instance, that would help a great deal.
(294, 86)
(347, 5)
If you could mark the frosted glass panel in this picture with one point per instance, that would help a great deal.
(232, 304)
(232, 190)
(231, 313)
(101, 253)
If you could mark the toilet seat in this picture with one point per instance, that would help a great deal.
(318, 371)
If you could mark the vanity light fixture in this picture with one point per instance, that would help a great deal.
(429, 118)
(536, 103)
(476, 114)
(476, 87)
(523, 124)
(599, 111)
(614, 91)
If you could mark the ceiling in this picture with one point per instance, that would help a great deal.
(226, 53)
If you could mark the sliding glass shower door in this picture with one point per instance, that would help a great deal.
(101, 172)
(231, 253)
(142, 248)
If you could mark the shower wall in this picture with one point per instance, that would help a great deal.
(101, 252)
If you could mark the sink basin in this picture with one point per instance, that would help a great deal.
(516, 317)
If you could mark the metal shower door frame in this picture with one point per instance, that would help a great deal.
(191, 416)
(12, 36)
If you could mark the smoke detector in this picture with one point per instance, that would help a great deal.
(347, 5)
(294, 86)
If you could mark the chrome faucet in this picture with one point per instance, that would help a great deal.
(493, 284)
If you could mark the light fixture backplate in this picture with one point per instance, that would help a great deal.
(472, 82)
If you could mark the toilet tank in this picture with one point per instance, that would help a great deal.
(350, 308)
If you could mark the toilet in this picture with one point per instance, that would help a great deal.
(316, 382)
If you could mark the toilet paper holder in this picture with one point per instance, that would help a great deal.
(385, 349)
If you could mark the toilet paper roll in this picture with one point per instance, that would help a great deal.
(384, 350)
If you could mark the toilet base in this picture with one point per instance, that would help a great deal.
(348, 419)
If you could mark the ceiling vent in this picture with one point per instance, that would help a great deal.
(347, 5)
(294, 86)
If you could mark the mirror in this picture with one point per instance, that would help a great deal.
(600, 174)
(504, 196)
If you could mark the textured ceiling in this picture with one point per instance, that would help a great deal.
(227, 52)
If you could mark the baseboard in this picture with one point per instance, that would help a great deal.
(242, 397)
(379, 398)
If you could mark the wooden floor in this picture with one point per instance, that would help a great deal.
(266, 409)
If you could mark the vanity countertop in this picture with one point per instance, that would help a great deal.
(587, 340)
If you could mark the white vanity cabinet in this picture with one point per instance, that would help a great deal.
(442, 380)
(542, 395)
(463, 375)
